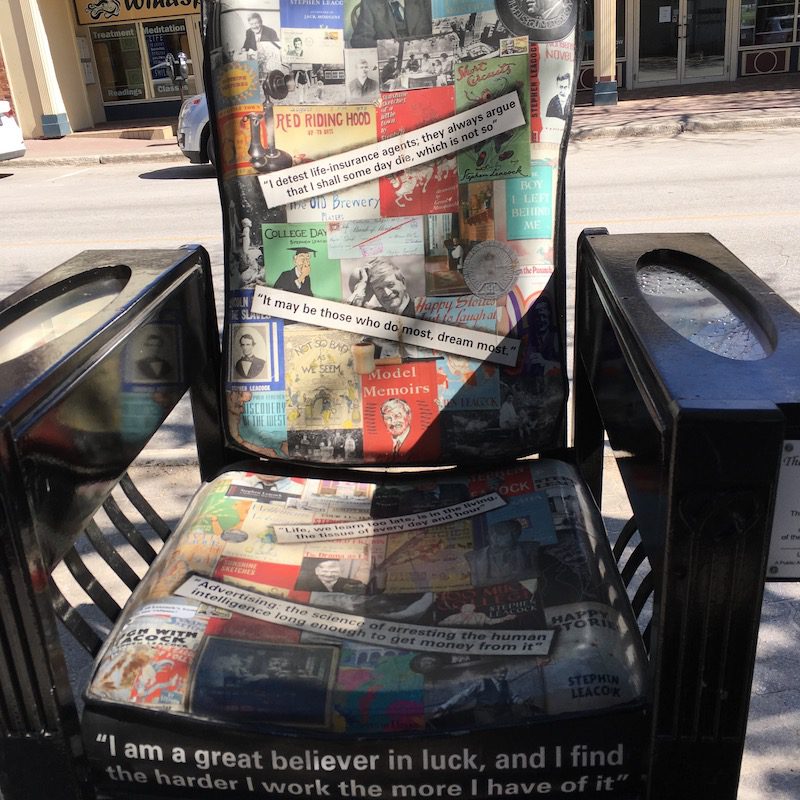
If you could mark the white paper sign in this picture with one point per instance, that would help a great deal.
(393, 155)
(383, 325)
(665, 13)
(368, 631)
(784, 549)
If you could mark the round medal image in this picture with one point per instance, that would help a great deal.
(541, 20)
(490, 270)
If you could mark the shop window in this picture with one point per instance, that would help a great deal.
(164, 39)
(588, 42)
(119, 62)
(768, 22)
(132, 60)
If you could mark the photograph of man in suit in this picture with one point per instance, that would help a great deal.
(396, 415)
(559, 104)
(490, 697)
(391, 19)
(258, 32)
(248, 365)
(362, 86)
(296, 50)
(297, 279)
(327, 577)
(152, 365)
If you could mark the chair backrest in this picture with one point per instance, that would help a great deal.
(392, 200)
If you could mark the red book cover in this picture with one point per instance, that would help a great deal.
(429, 188)
(401, 417)
(257, 575)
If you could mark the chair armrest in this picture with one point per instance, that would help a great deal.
(93, 357)
(698, 437)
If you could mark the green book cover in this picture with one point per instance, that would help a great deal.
(296, 260)
(507, 155)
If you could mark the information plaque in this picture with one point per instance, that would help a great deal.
(784, 551)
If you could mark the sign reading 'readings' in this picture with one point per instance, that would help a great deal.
(784, 550)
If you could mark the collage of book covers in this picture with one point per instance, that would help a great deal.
(354, 608)
(389, 175)
(394, 303)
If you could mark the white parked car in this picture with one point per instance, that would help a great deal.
(11, 142)
(194, 130)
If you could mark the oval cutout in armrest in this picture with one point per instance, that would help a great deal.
(693, 298)
(55, 311)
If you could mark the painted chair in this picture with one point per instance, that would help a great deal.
(395, 581)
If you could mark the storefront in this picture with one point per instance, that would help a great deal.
(74, 64)
(769, 37)
(681, 42)
(131, 47)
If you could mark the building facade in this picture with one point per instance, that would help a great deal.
(72, 64)
(647, 43)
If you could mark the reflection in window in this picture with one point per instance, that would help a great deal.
(119, 63)
(126, 75)
(768, 22)
(164, 39)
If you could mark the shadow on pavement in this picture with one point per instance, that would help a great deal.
(183, 172)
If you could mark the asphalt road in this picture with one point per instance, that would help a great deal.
(51, 213)
(741, 187)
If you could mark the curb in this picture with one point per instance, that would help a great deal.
(92, 160)
(713, 124)
(675, 127)
(628, 130)
(670, 126)
(167, 457)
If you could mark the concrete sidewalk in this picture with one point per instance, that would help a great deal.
(749, 103)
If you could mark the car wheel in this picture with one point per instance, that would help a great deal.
(210, 148)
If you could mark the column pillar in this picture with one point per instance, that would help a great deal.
(54, 119)
(605, 52)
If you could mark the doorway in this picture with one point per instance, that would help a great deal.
(681, 41)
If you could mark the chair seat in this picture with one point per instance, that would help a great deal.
(397, 633)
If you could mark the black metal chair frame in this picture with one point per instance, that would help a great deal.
(700, 470)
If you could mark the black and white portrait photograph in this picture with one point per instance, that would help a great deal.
(362, 77)
(153, 357)
(385, 283)
(367, 21)
(330, 575)
(250, 34)
(250, 360)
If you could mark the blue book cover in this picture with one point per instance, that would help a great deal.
(312, 14)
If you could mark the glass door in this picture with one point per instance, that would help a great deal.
(704, 40)
(682, 41)
(658, 41)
